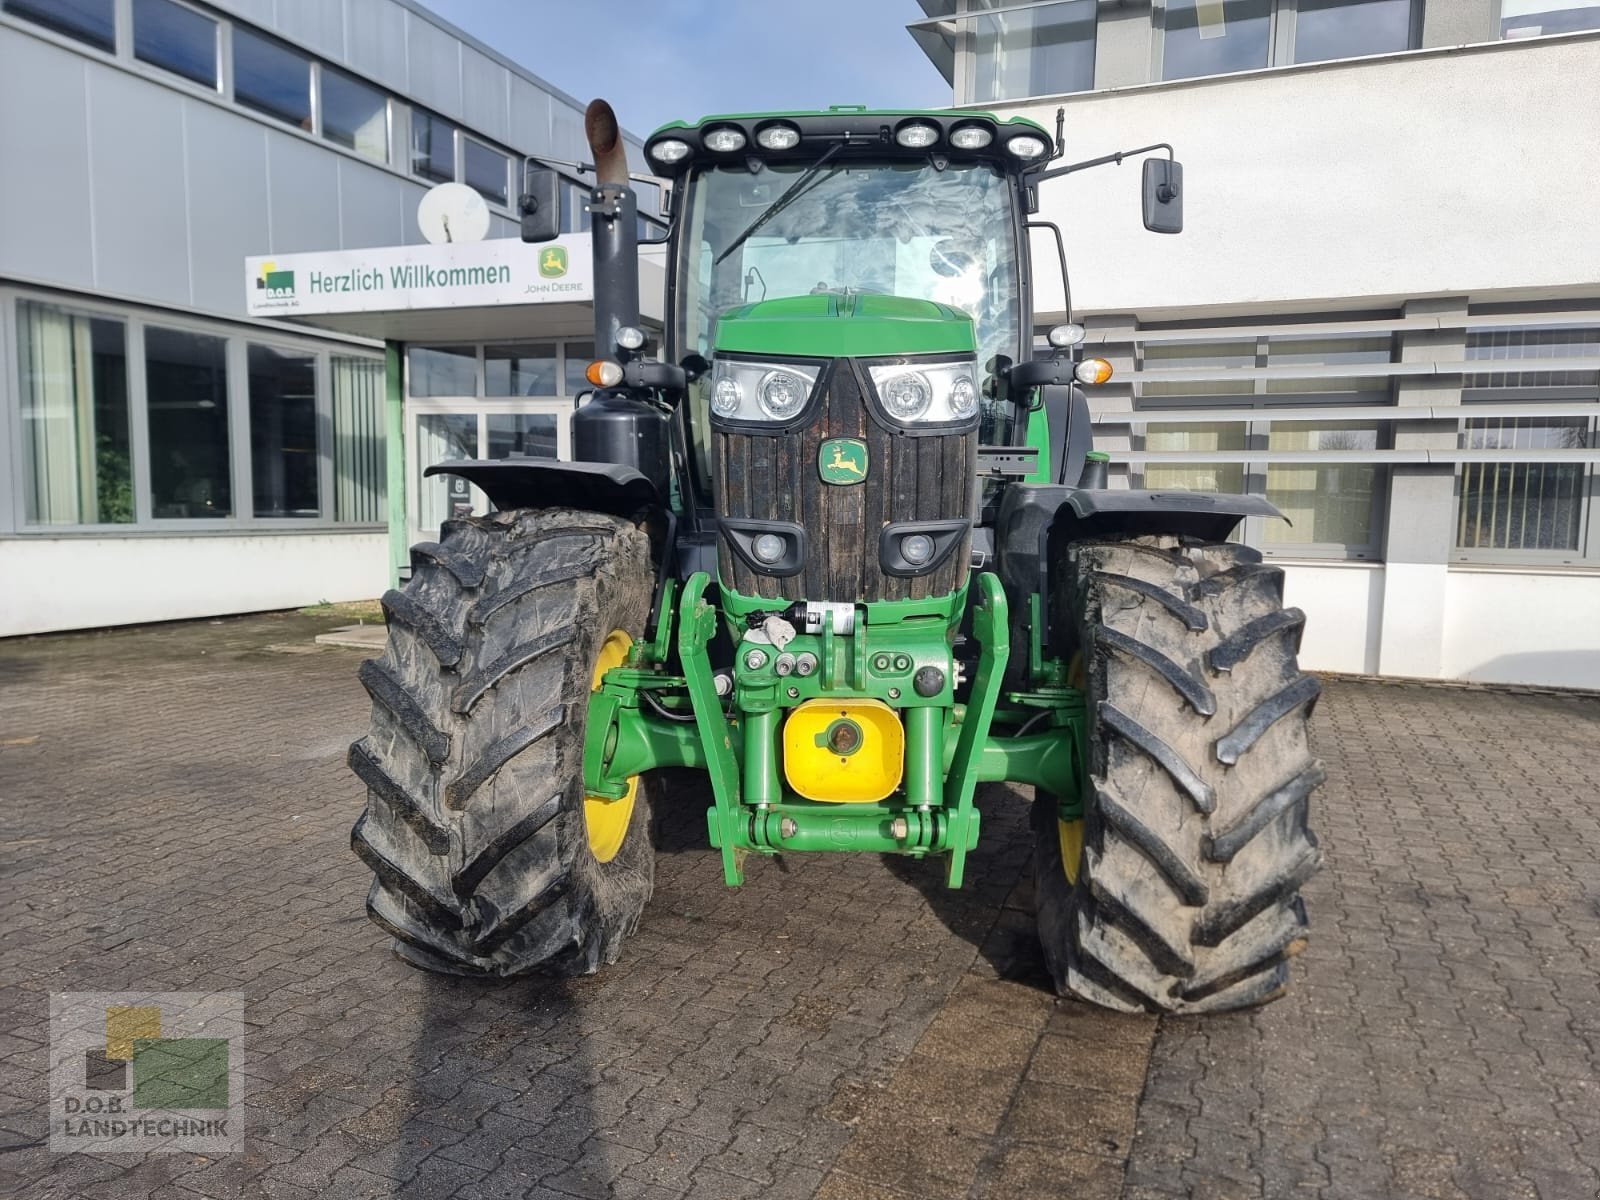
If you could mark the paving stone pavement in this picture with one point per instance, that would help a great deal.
(174, 815)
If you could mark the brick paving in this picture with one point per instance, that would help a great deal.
(174, 815)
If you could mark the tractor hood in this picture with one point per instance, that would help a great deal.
(845, 325)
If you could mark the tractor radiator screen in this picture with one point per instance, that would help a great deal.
(763, 478)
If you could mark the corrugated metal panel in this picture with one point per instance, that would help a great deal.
(377, 41)
(227, 183)
(45, 226)
(136, 135)
(530, 117)
(258, 12)
(433, 60)
(372, 206)
(566, 133)
(303, 182)
(485, 85)
(315, 24)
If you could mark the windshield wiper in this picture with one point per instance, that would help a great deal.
(790, 195)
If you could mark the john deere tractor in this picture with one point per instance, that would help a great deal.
(838, 540)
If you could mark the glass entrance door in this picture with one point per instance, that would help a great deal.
(441, 432)
(492, 400)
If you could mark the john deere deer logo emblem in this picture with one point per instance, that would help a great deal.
(842, 461)
(553, 262)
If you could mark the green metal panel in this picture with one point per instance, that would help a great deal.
(395, 441)
(850, 325)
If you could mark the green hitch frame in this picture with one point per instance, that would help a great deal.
(949, 750)
(991, 626)
(697, 625)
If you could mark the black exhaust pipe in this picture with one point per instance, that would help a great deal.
(617, 425)
(614, 228)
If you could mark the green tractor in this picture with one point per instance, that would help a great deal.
(843, 546)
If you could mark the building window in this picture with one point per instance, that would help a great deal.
(1329, 29)
(1329, 504)
(1218, 37)
(1522, 506)
(433, 147)
(1035, 51)
(75, 446)
(176, 39)
(443, 437)
(271, 78)
(574, 208)
(186, 399)
(1531, 18)
(1199, 476)
(1332, 507)
(91, 21)
(485, 169)
(578, 357)
(284, 463)
(354, 115)
(521, 435)
(1528, 509)
(360, 464)
(443, 370)
(525, 369)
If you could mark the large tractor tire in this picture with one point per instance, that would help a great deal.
(488, 858)
(1178, 891)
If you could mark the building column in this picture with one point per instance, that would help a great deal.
(394, 440)
(1419, 531)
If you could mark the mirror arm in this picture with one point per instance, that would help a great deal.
(1061, 255)
(1037, 177)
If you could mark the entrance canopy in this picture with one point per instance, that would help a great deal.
(462, 291)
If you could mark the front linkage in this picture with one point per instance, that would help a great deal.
(646, 715)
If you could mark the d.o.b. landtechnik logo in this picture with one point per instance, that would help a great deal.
(142, 1072)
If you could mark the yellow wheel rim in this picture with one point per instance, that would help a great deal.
(1071, 832)
(607, 820)
(1071, 835)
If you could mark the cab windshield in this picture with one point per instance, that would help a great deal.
(895, 228)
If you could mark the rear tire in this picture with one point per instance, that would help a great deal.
(475, 827)
(1194, 845)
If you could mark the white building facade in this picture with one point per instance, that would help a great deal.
(165, 454)
(1383, 314)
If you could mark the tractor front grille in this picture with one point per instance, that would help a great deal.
(766, 478)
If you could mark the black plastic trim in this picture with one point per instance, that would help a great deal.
(742, 533)
(946, 537)
(543, 483)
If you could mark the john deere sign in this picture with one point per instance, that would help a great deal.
(463, 275)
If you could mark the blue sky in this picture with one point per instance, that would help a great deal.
(660, 60)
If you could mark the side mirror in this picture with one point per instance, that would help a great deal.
(540, 202)
(1163, 195)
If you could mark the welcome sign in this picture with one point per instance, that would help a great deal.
(387, 278)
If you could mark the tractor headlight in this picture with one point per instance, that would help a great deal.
(783, 394)
(906, 394)
(755, 391)
(926, 393)
(724, 139)
(669, 151)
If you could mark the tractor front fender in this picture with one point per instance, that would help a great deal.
(545, 483)
(1209, 516)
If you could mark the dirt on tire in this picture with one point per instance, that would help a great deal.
(474, 826)
(1186, 896)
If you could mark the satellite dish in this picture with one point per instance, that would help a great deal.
(452, 212)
